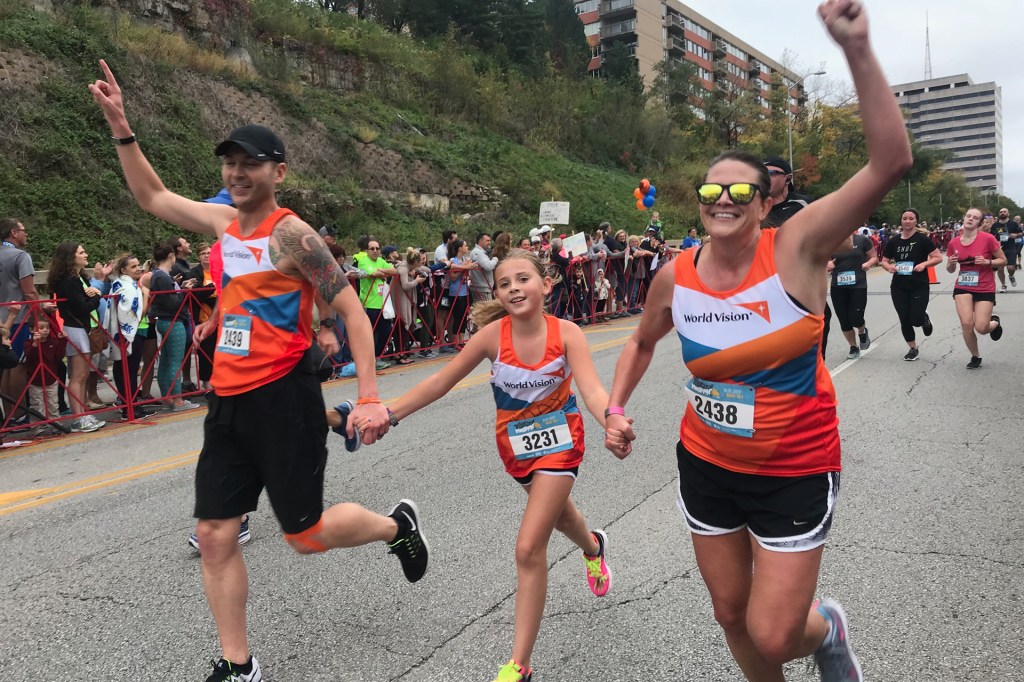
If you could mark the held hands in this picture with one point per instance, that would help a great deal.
(619, 435)
(107, 94)
(371, 420)
(845, 21)
(92, 291)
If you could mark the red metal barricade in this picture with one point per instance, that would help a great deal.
(48, 375)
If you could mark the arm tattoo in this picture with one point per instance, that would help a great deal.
(299, 242)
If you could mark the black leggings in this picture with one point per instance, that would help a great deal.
(849, 303)
(129, 388)
(912, 307)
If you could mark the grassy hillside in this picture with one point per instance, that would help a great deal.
(60, 174)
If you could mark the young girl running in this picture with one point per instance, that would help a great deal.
(539, 430)
(977, 253)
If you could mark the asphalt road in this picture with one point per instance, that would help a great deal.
(926, 552)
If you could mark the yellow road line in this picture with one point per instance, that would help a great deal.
(607, 330)
(16, 501)
(26, 499)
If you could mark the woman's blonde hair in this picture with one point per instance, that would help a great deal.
(485, 312)
(412, 255)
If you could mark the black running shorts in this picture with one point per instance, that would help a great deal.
(274, 436)
(783, 513)
(989, 296)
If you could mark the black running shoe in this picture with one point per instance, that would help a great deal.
(975, 363)
(911, 355)
(865, 340)
(410, 547)
(225, 671)
(997, 333)
(927, 327)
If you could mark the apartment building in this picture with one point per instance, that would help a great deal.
(656, 30)
(963, 117)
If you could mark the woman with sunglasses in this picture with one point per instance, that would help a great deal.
(759, 454)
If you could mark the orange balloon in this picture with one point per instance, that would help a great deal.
(645, 185)
(640, 205)
(638, 194)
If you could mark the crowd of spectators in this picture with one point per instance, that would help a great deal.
(100, 331)
(419, 302)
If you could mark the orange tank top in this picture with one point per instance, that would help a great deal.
(266, 316)
(761, 400)
(538, 424)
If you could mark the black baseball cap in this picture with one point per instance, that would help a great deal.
(779, 162)
(258, 142)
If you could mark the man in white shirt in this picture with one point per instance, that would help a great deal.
(441, 252)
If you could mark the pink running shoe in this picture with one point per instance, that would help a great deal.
(599, 575)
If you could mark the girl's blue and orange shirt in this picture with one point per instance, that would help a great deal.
(761, 400)
(530, 397)
(266, 316)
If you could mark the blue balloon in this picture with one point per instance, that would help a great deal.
(648, 201)
(653, 191)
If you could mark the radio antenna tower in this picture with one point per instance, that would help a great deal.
(927, 50)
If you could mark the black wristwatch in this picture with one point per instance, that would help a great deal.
(327, 324)
(124, 141)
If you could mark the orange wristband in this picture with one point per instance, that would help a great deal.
(368, 401)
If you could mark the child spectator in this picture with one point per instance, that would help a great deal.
(602, 290)
(44, 351)
(580, 295)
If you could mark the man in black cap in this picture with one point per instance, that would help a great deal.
(266, 425)
(786, 201)
(329, 234)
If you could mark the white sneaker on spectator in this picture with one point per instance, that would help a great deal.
(185, 406)
(87, 424)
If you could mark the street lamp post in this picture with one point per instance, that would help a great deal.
(988, 197)
(789, 109)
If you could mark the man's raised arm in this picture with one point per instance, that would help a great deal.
(143, 181)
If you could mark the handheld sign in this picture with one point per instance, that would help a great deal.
(554, 213)
(575, 244)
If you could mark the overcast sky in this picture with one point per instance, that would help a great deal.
(976, 37)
